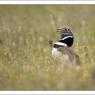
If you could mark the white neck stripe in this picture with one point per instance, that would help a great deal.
(59, 43)
(67, 37)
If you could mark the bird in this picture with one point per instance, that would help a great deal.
(61, 50)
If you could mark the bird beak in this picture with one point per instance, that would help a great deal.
(58, 30)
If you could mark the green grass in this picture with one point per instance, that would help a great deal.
(26, 62)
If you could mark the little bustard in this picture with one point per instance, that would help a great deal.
(61, 50)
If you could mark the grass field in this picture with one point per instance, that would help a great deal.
(26, 62)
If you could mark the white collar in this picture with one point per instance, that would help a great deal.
(59, 43)
(67, 37)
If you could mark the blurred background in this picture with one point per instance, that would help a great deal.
(26, 62)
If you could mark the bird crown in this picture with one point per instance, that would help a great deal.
(62, 30)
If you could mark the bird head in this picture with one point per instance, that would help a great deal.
(66, 36)
(63, 29)
(64, 32)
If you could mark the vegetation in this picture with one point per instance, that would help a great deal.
(26, 62)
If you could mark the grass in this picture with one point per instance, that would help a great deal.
(26, 62)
